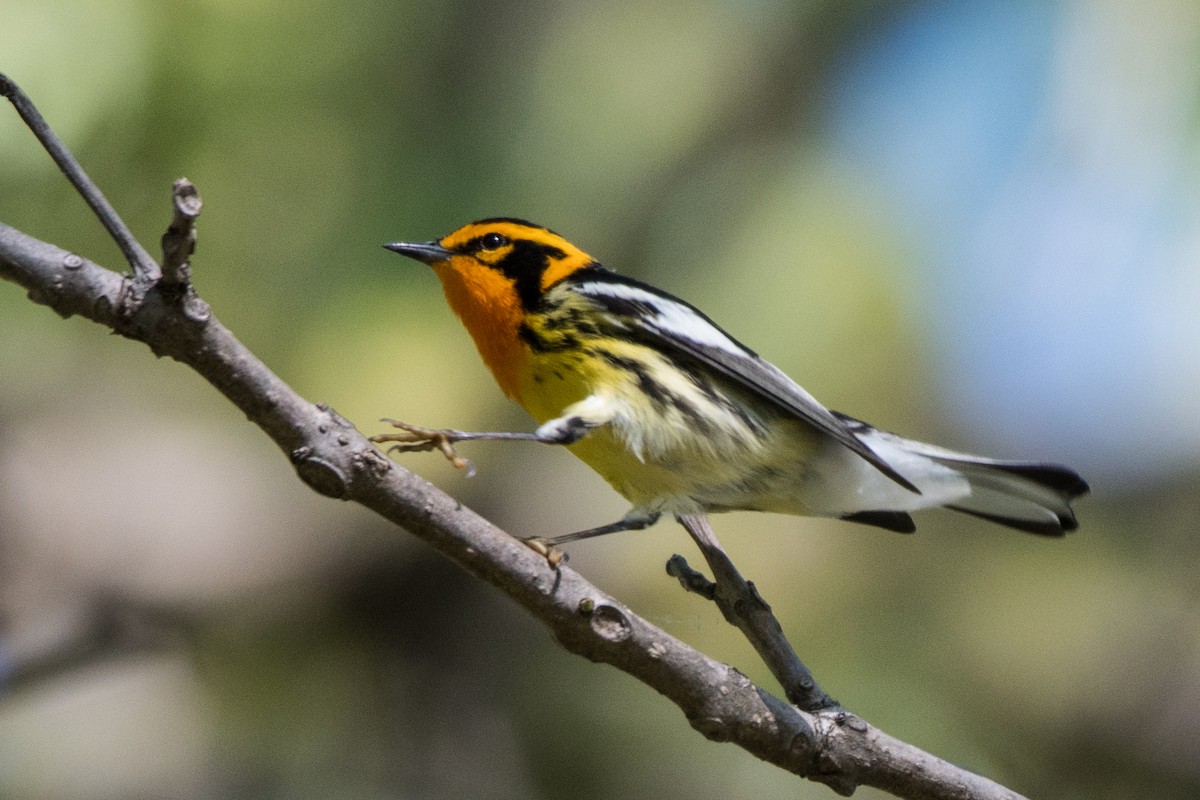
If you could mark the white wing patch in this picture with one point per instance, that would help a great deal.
(674, 318)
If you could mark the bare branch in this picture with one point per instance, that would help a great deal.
(145, 269)
(745, 609)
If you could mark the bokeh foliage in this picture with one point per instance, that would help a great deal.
(882, 198)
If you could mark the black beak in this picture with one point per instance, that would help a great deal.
(428, 252)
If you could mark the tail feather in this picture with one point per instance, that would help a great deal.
(1049, 526)
(1029, 496)
(1026, 495)
(896, 521)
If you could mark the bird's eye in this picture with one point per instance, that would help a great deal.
(492, 241)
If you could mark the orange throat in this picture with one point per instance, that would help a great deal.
(490, 310)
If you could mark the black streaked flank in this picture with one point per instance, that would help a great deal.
(545, 344)
(530, 337)
(571, 319)
(718, 398)
(657, 393)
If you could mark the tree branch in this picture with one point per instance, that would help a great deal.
(744, 608)
(145, 269)
(830, 746)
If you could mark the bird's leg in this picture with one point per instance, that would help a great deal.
(416, 439)
(635, 520)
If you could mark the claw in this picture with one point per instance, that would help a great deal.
(415, 439)
(411, 433)
(459, 462)
(554, 557)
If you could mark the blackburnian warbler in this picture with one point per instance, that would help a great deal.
(680, 417)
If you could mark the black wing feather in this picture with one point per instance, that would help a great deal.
(641, 310)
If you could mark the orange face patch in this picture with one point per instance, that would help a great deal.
(496, 275)
(487, 304)
(566, 258)
(559, 268)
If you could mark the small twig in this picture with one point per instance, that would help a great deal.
(178, 244)
(691, 580)
(744, 607)
(179, 241)
(145, 270)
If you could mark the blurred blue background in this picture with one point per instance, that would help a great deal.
(974, 224)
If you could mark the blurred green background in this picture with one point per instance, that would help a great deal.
(974, 224)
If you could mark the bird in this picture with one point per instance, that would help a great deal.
(679, 417)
